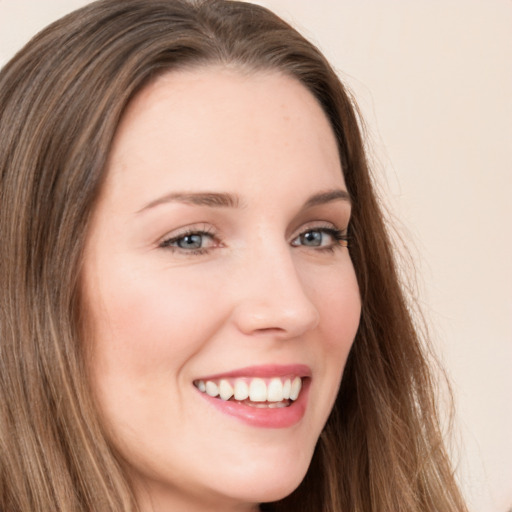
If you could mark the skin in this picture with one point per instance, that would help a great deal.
(255, 293)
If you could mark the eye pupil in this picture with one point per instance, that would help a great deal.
(191, 242)
(312, 238)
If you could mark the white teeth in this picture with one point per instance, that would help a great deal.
(257, 405)
(276, 405)
(275, 390)
(258, 390)
(287, 387)
(296, 387)
(269, 405)
(241, 390)
(211, 388)
(225, 390)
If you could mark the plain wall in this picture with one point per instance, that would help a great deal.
(433, 79)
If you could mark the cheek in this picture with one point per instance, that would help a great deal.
(339, 304)
(335, 293)
(145, 325)
(342, 313)
(145, 333)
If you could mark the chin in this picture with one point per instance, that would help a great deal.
(277, 490)
(272, 483)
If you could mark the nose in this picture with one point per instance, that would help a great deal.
(270, 296)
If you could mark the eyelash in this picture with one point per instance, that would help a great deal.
(203, 232)
(341, 239)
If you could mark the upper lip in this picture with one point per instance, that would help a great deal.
(264, 371)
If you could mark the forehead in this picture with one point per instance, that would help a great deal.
(217, 87)
(215, 125)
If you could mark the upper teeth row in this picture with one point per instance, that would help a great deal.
(256, 390)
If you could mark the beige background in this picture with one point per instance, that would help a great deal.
(434, 81)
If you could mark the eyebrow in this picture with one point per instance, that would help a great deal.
(226, 200)
(327, 197)
(211, 199)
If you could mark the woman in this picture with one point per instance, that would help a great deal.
(183, 326)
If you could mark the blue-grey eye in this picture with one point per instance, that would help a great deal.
(311, 238)
(192, 241)
(321, 238)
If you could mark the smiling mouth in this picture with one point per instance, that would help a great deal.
(276, 392)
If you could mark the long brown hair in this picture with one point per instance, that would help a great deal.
(61, 99)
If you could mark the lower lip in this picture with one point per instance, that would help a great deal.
(264, 417)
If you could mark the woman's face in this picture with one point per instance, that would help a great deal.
(222, 298)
